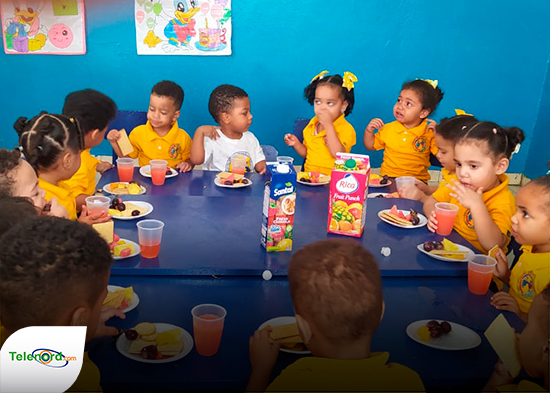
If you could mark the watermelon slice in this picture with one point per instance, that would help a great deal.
(116, 238)
(126, 252)
(314, 176)
(394, 210)
(401, 215)
(229, 180)
(408, 217)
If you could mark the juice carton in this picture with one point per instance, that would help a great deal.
(349, 185)
(279, 207)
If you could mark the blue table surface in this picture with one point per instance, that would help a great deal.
(250, 301)
(216, 231)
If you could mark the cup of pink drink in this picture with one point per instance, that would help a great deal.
(445, 214)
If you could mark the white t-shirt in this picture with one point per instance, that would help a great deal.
(218, 153)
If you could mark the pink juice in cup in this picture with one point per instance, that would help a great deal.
(158, 171)
(125, 167)
(480, 273)
(445, 214)
(238, 164)
(97, 205)
(150, 236)
(208, 321)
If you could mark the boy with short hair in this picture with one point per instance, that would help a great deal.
(160, 138)
(214, 148)
(336, 290)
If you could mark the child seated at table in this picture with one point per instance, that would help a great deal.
(214, 148)
(42, 255)
(534, 351)
(530, 228)
(336, 290)
(94, 111)
(160, 138)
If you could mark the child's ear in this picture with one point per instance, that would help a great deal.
(67, 160)
(502, 165)
(304, 328)
(424, 113)
(176, 116)
(80, 317)
(225, 118)
(345, 106)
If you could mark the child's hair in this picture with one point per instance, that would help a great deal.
(544, 187)
(501, 141)
(336, 285)
(9, 161)
(223, 98)
(47, 264)
(45, 137)
(429, 96)
(94, 110)
(169, 89)
(14, 210)
(453, 128)
(337, 82)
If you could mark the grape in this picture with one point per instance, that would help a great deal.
(446, 326)
(436, 331)
(135, 213)
(121, 207)
(131, 334)
(428, 246)
(379, 196)
(384, 180)
(432, 324)
(415, 220)
(245, 181)
(114, 202)
(438, 245)
(149, 352)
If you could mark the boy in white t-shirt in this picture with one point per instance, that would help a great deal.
(213, 148)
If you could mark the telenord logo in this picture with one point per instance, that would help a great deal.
(44, 356)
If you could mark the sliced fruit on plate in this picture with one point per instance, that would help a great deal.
(449, 245)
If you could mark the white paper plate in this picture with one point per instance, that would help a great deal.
(123, 345)
(459, 338)
(283, 321)
(380, 185)
(423, 220)
(320, 183)
(145, 171)
(237, 185)
(144, 205)
(384, 194)
(136, 247)
(133, 304)
(107, 189)
(442, 258)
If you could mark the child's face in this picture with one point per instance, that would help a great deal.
(445, 152)
(239, 117)
(534, 339)
(94, 138)
(26, 184)
(95, 311)
(408, 109)
(474, 168)
(328, 100)
(162, 112)
(532, 219)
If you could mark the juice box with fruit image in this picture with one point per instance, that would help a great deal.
(279, 207)
(349, 185)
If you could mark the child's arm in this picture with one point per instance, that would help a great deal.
(185, 166)
(197, 154)
(501, 269)
(333, 143)
(80, 200)
(425, 188)
(501, 376)
(103, 166)
(368, 138)
(506, 302)
(429, 211)
(263, 356)
(260, 167)
(292, 140)
(113, 136)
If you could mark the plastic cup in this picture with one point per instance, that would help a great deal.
(97, 205)
(125, 167)
(285, 160)
(150, 236)
(404, 182)
(480, 273)
(238, 164)
(445, 214)
(158, 171)
(208, 320)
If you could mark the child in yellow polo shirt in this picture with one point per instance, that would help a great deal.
(408, 141)
(323, 277)
(530, 228)
(481, 192)
(161, 138)
(94, 111)
(328, 132)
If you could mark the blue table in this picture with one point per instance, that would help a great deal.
(216, 231)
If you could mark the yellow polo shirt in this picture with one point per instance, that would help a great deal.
(500, 203)
(447, 177)
(529, 277)
(174, 147)
(318, 156)
(406, 150)
(83, 181)
(64, 196)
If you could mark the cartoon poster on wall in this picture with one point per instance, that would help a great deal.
(183, 27)
(43, 27)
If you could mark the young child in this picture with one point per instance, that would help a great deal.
(323, 277)
(161, 138)
(534, 351)
(485, 202)
(214, 148)
(328, 132)
(530, 228)
(408, 141)
(94, 111)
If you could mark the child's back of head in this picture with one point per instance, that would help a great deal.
(94, 110)
(223, 98)
(171, 90)
(14, 210)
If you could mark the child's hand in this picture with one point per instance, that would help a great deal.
(209, 131)
(431, 124)
(184, 166)
(466, 196)
(56, 209)
(263, 354)
(422, 186)
(103, 166)
(501, 269)
(432, 222)
(107, 312)
(324, 118)
(375, 124)
(413, 192)
(93, 219)
(505, 301)
(113, 136)
(291, 140)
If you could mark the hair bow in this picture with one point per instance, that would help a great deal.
(320, 75)
(516, 150)
(433, 83)
(348, 78)
(460, 112)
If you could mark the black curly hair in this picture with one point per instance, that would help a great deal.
(501, 141)
(543, 183)
(429, 96)
(13, 210)
(222, 100)
(453, 128)
(169, 89)
(94, 110)
(335, 80)
(9, 161)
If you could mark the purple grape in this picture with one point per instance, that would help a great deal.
(438, 245)
(121, 207)
(135, 213)
(428, 246)
(446, 326)
(432, 324)
(436, 331)
(131, 334)
(149, 352)
(115, 202)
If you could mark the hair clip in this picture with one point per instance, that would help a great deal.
(460, 112)
(348, 80)
(72, 119)
(320, 75)
(20, 148)
(39, 147)
(516, 150)
(432, 83)
(495, 131)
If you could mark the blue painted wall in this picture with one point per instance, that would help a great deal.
(490, 58)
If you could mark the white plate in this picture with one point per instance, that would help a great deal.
(442, 258)
(283, 321)
(141, 204)
(237, 185)
(133, 304)
(123, 345)
(380, 185)
(107, 189)
(320, 183)
(460, 337)
(136, 247)
(145, 171)
(384, 194)
(423, 220)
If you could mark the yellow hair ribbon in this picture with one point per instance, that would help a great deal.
(349, 78)
(461, 112)
(433, 83)
(320, 75)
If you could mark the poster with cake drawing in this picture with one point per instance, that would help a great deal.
(183, 27)
(43, 27)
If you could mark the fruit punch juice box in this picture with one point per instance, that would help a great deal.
(349, 185)
(279, 207)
